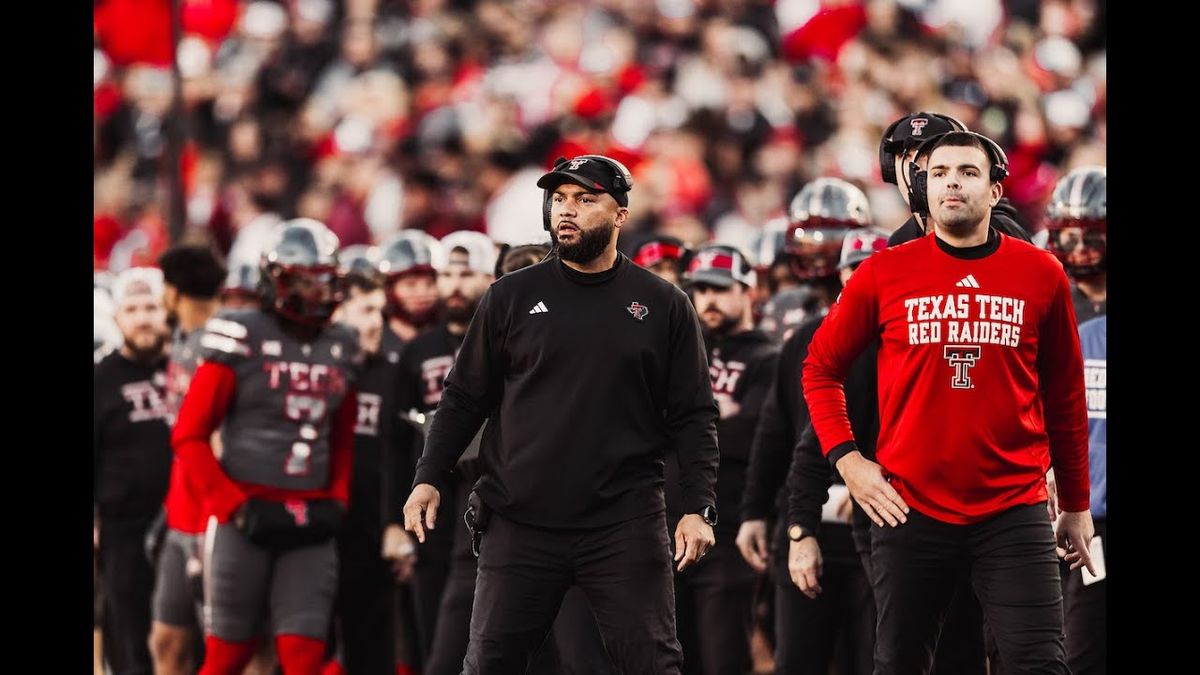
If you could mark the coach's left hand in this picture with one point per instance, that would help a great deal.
(693, 538)
(1074, 537)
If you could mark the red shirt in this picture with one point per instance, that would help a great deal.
(980, 377)
(204, 407)
(185, 512)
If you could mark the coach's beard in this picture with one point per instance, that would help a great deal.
(590, 245)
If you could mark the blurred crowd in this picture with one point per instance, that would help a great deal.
(379, 115)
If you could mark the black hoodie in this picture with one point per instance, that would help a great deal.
(741, 368)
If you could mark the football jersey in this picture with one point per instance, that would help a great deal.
(277, 430)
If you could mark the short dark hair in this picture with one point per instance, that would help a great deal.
(193, 270)
(962, 139)
(519, 257)
(363, 282)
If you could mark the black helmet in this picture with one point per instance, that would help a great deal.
(820, 216)
(1078, 215)
(299, 272)
(907, 133)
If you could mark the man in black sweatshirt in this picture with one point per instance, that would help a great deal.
(131, 463)
(589, 370)
(715, 598)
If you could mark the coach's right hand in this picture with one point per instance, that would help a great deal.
(871, 490)
(752, 542)
(420, 511)
(805, 566)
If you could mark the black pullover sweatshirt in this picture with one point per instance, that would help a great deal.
(589, 380)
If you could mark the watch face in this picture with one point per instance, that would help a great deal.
(795, 532)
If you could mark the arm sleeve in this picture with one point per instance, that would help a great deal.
(846, 331)
(1064, 399)
(768, 451)
(204, 406)
(808, 481)
(400, 450)
(341, 439)
(473, 388)
(691, 413)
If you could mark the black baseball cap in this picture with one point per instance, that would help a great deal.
(591, 172)
(917, 127)
(720, 265)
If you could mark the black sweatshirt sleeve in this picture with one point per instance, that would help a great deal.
(473, 388)
(808, 481)
(691, 413)
(769, 450)
(399, 461)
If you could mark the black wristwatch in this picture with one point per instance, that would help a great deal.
(709, 514)
(797, 532)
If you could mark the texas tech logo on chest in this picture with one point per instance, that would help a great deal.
(725, 376)
(962, 358)
(146, 401)
(368, 414)
(963, 323)
(433, 374)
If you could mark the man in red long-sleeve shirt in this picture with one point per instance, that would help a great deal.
(980, 392)
(279, 383)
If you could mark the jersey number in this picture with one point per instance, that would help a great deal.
(309, 411)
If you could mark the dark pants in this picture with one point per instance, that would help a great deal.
(838, 627)
(1087, 617)
(960, 645)
(715, 600)
(624, 570)
(364, 604)
(128, 587)
(575, 648)
(1013, 570)
(453, 624)
(432, 570)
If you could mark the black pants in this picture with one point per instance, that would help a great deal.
(1013, 570)
(1086, 617)
(838, 627)
(714, 601)
(364, 604)
(432, 570)
(454, 613)
(575, 648)
(623, 569)
(128, 587)
(960, 645)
